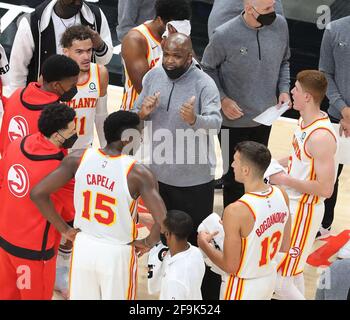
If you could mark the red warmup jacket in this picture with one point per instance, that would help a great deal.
(24, 232)
(21, 113)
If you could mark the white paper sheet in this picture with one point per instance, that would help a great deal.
(212, 224)
(343, 155)
(271, 114)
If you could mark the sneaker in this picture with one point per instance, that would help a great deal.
(323, 233)
(344, 252)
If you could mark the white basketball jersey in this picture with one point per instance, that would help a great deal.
(154, 51)
(84, 104)
(270, 212)
(103, 205)
(301, 164)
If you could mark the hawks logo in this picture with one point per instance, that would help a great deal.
(18, 128)
(18, 180)
(295, 252)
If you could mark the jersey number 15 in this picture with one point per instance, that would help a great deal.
(103, 208)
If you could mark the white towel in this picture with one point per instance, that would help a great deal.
(181, 26)
(212, 224)
(272, 169)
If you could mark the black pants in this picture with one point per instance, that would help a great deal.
(198, 202)
(329, 204)
(233, 190)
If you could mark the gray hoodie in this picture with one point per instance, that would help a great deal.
(334, 62)
(185, 164)
(249, 66)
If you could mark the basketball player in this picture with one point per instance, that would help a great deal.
(141, 46)
(257, 227)
(108, 184)
(90, 105)
(310, 179)
(90, 102)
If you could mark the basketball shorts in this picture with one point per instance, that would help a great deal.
(234, 288)
(101, 270)
(306, 221)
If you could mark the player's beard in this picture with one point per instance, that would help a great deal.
(85, 69)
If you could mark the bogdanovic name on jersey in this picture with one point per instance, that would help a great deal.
(82, 103)
(278, 217)
(100, 180)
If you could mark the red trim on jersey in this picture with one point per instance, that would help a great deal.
(261, 195)
(109, 156)
(152, 35)
(320, 128)
(325, 116)
(284, 264)
(239, 289)
(148, 51)
(229, 287)
(131, 167)
(249, 207)
(98, 79)
(84, 83)
(82, 157)
(243, 254)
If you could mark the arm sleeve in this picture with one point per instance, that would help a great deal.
(284, 75)
(127, 17)
(210, 117)
(100, 117)
(214, 55)
(327, 65)
(21, 55)
(173, 290)
(104, 55)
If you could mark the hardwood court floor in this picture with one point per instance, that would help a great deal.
(280, 144)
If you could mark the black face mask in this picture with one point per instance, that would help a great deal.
(163, 239)
(175, 73)
(69, 95)
(72, 9)
(267, 18)
(69, 142)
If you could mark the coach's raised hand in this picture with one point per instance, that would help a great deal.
(148, 105)
(187, 112)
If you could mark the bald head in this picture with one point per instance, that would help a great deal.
(177, 55)
(178, 41)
